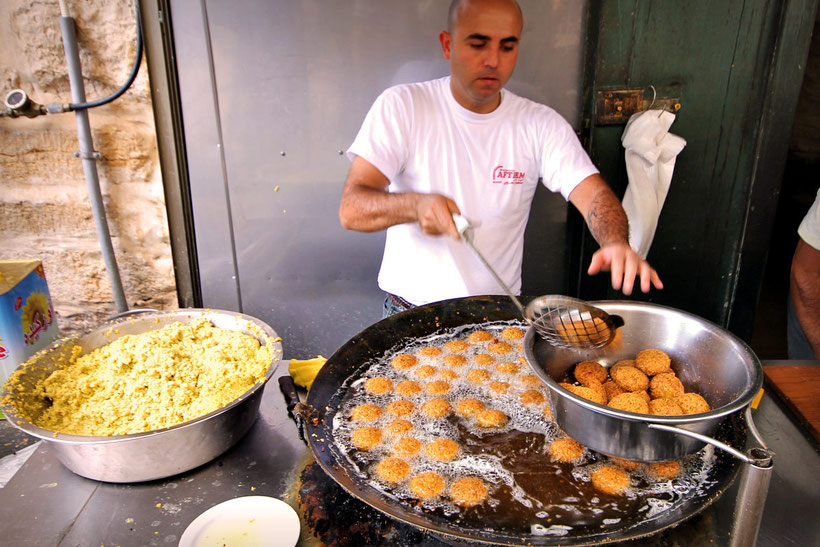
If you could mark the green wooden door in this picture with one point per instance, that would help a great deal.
(736, 67)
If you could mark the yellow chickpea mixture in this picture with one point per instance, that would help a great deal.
(147, 381)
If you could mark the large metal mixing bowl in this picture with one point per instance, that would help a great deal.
(708, 360)
(154, 454)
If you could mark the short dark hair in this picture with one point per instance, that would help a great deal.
(452, 14)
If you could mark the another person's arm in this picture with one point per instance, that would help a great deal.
(805, 291)
(609, 225)
(367, 206)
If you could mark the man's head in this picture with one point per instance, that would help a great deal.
(481, 43)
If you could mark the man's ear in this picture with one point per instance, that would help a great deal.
(446, 41)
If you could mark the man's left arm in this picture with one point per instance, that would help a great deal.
(609, 225)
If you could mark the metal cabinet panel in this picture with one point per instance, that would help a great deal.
(203, 140)
(292, 82)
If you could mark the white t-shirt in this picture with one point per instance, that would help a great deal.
(423, 141)
(809, 229)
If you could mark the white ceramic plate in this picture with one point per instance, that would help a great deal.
(257, 521)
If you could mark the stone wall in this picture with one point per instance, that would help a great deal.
(44, 206)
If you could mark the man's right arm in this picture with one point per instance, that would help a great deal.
(805, 291)
(367, 206)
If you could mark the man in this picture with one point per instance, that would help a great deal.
(464, 144)
(804, 298)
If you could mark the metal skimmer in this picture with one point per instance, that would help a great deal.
(560, 320)
(571, 323)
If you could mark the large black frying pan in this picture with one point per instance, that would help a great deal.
(354, 357)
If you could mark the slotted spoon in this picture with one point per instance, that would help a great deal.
(560, 320)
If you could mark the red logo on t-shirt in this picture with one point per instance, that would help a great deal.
(507, 176)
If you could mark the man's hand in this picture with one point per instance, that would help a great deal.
(367, 206)
(624, 264)
(609, 226)
(435, 215)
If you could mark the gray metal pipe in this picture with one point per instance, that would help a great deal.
(89, 158)
(754, 487)
(751, 499)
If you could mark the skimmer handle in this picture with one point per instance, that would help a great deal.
(465, 231)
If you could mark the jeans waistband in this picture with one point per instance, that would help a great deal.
(399, 302)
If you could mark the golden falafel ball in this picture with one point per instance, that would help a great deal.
(500, 348)
(378, 385)
(365, 413)
(622, 363)
(547, 411)
(365, 438)
(468, 492)
(430, 351)
(478, 375)
(426, 371)
(664, 407)
(407, 388)
(665, 386)
(629, 465)
(404, 361)
(407, 446)
(692, 403)
(590, 371)
(455, 360)
(581, 331)
(401, 407)
(499, 387)
(438, 387)
(512, 333)
(491, 418)
(585, 392)
(457, 346)
(393, 469)
(448, 374)
(610, 480)
(442, 450)
(530, 380)
(566, 450)
(399, 426)
(507, 367)
(427, 485)
(468, 407)
(532, 397)
(484, 359)
(630, 378)
(436, 408)
(599, 388)
(644, 395)
(480, 336)
(653, 361)
(664, 471)
(630, 402)
(612, 389)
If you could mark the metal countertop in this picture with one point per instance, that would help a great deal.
(46, 504)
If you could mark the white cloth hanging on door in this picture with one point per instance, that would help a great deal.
(650, 159)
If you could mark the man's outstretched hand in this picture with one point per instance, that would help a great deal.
(624, 264)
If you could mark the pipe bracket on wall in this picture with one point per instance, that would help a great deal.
(86, 156)
(615, 105)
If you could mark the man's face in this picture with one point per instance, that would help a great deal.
(482, 50)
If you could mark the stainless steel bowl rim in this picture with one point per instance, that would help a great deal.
(51, 436)
(738, 403)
